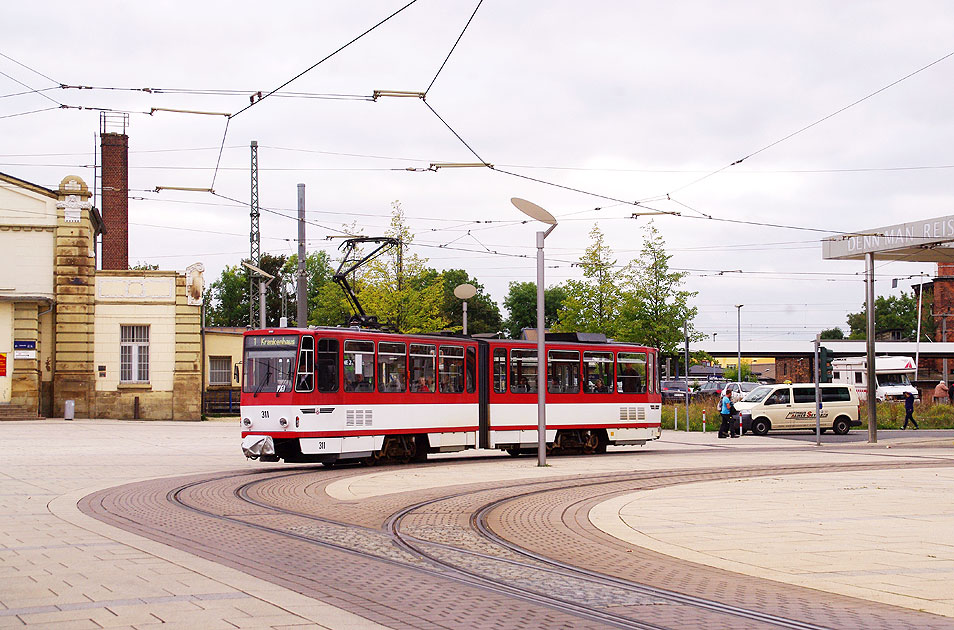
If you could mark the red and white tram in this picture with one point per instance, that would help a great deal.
(335, 394)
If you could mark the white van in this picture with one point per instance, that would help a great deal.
(792, 406)
(894, 376)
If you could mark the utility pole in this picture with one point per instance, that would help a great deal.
(302, 315)
(254, 238)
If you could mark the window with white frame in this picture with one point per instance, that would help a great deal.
(134, 354)
(220, 370)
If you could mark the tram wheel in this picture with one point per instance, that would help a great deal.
(514, 452)
(590, 442)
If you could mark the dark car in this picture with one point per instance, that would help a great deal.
(709, 390)
(675, 391)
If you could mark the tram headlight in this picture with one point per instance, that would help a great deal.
(247, 422)
(283, 422)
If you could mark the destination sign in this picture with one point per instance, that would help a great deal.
(253, 342)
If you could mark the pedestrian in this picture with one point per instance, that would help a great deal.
(727, 427)
(909, 411)
(940, 392)
(950, 395)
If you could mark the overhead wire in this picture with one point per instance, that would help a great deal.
(454, 47)
(817, 122)
(299, 75)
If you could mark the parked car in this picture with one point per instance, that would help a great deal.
(675, 391)
(709, 391)
(737, 391)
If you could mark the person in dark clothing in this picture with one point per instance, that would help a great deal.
(909, 411)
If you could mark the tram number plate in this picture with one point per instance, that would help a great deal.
(320, 445)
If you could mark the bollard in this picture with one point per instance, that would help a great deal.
(740, 425)
(703, 420)
(675, 419)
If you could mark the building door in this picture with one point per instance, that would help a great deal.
(6, 351)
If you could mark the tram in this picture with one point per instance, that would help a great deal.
(332, 395)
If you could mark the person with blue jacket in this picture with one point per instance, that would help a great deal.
(727, 427)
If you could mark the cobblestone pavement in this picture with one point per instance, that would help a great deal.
(284, 528)
(261, 568)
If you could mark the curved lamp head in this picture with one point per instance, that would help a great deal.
(533, 211)
(465, 291)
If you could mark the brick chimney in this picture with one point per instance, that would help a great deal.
(114, 148)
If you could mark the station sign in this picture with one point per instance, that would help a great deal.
(929, 240)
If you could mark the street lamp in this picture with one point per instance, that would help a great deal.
(464, 292)
(738, 374)
(261, 291)
(534, 211)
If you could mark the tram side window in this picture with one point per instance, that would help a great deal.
(471, 369)
(564, 372)
(598, 372)
(327, 365)
(523, 371)
(392, 367)
(451, 370)
(305, 377)
(631, 372)
(500, 370)
(359, 366)
(423, 358)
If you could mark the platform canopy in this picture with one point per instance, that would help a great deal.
(928, 240)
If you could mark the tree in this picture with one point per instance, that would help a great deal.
(226, 299)
(892, 313)
(319, 272)
(483, 314)
(593, 304)
(731, 372)
(832, 333)
(399, 288)
(657, 313)
(521, 304)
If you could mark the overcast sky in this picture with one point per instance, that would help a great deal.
(628, 100)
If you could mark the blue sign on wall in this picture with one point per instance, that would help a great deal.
(24, 345)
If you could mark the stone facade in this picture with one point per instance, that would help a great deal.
(54, 302)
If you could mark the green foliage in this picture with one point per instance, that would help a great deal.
(226, 299)
(483, 314)
(832, 333)
(319, 272)
(731, 372)
(893, 313)
(399, 288)
(657, 312)
(521, 304)
(143, 266)
(594, 303)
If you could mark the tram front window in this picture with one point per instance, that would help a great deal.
(269, 363)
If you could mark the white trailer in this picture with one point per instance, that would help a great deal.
(893, 375)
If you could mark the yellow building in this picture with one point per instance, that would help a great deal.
(223, 368)
(119, 344)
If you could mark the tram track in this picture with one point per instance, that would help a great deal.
(485, 559)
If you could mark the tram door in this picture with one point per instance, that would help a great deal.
(483, 394)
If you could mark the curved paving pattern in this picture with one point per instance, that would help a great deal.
(283, 526)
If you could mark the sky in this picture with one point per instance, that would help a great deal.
(625, 102)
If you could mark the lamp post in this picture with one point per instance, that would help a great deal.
(534, 211)
(738, 374)
(261, 291)
(464, 292)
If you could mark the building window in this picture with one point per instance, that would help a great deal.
(134, 354)
(220, 370)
